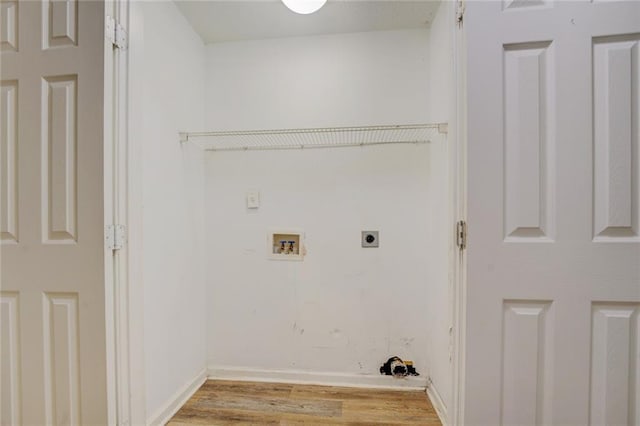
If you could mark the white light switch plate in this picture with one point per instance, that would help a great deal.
(253, 199)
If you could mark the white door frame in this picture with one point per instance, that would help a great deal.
(110, 195)
(459, 187)
(127, 399)
(457, 141)
(132, 201)
(124, 308)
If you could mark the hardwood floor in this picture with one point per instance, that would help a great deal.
(220, 402)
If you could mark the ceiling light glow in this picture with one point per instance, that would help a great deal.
(304, 7)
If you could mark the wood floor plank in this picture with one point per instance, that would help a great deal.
(388, 412)
(220, 387)
(390, 406)
(343, 393)
(289, 420)
(318, 408)
(220, 402)
(224, 417)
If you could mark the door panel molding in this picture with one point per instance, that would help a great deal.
(616, 86)
(11, 405)
(615, 374)
(9, 155)
(9, 26)
(59, 23)
(527, 363)
(59, 152)
(528, 142)
(61, 357)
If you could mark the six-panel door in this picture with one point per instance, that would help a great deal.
(553, 289)
(51, 213)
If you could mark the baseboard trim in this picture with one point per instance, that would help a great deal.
(316, 378)
(171, 407)
(438, 403)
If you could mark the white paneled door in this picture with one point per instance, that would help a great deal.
(553, 292)
(52, 311)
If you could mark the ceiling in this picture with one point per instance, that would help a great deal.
(232, 20)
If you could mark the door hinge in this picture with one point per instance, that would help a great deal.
(461, 235)
(115, 236)
(450, 343)
(459, 13)
(116, 33)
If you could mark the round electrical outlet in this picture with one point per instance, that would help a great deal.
(370, 239)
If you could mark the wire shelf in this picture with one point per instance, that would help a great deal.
(326, 137)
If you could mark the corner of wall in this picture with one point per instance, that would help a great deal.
(438, 403)
(173, 218)
(164, 413)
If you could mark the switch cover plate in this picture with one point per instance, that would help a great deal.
(370, 239)
(253, 199)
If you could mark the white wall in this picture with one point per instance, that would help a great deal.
(343, 309)
(333, 80)
(172, 219)
(439, 294)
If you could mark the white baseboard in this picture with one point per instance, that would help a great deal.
(438, 404)
(317, 378)
(173, 404)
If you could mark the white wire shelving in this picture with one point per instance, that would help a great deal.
(325, 137)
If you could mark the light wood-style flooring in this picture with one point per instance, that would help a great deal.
(220, 402)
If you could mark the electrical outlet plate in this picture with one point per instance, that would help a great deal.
(370, 239)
